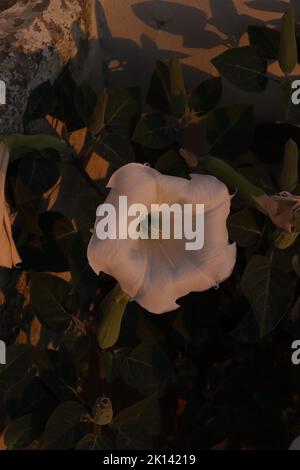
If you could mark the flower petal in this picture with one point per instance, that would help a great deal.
(9, 256)
(201, 189)
(119, 258)
(175, 272)
(137, 182)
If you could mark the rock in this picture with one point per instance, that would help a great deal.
(37, 37)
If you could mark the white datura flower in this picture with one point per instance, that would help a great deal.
(156, 272)
(9, 256)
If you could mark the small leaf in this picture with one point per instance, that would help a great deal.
(155, 131)
(245, 67)
(288, 55)
(269, 291)
(113, 308)
(65, 427)
(207, 96)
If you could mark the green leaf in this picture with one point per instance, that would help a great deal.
(38, 142)
(40, 102)
(146, 366)
(65, 427)
(159, 90)
(113, 308)
(207, 96)
(36, 175)
(288, 54)
(94, 442)
(19, 433)
(82, 273)
(245, 67)
(269, 291)
(131, 438)
(247, 330)
(177, 88)
(296, 264)
(137, 424)
(85, 99)
(65, 90)
(112, 361)
(171, 163)
(230, 130)
(122, 107)
(146, 413)
(155, 131)
(96, 122)
(49, 296)
(244, 227)
(76, 346)
(18, 360)
(50, 250)
(266, 39)
(116, 149)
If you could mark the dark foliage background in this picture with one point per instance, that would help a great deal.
(215, 374)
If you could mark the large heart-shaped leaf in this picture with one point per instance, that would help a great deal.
(94, 442)
(266, 39)
(155, 131)
(122, 107)
(230, 130)
(245, 67)
(244, 227)
(50, 296)
(115, 148)
(159, 90)
(18, 360)
(206, 96)
(146, 366)
(19, 433)
(65, 427)
(269, 291)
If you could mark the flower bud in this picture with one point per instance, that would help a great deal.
(288, 55)
(289, 174)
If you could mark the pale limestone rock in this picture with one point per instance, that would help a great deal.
(37, 37)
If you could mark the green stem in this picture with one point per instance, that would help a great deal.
(235, 180)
